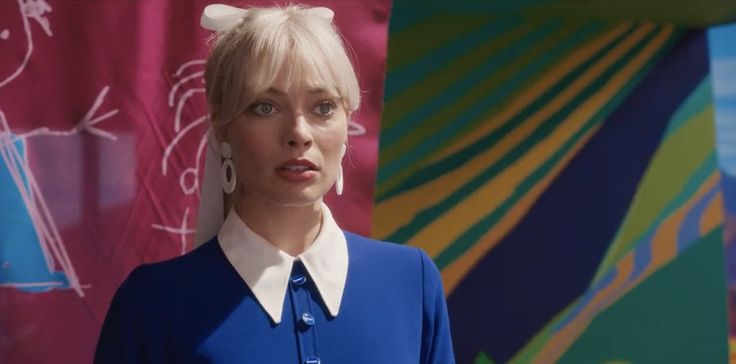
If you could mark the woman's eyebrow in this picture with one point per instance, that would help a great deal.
(315, 90)
(272, 90)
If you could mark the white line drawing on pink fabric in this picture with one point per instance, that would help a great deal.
(190, 81)
(51, 242)
(188, 180)
(183, 230)
(29, 10)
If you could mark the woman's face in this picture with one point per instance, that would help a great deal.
(287, 146)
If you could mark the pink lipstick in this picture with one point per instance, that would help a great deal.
(297, 170)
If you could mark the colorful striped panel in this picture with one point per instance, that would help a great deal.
(550, 167)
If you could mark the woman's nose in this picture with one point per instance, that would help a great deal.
(298, 134)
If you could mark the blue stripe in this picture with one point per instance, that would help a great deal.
(642, 256)
(690, 228)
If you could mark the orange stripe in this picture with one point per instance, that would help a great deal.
(549, 79)
(395, 212)
(664, 242)
(457, 270)
(439, 234)
(713, 215)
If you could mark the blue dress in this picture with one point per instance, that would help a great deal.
(197, 309)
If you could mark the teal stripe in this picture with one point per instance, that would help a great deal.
(698, 100)
(472, 235)
(403, 18)
(402, 78)
(457, 159)
(409, 13)
(453, 93)
(430, 214)
(455, 127)
(407, 7)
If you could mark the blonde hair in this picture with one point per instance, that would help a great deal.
(244, 61)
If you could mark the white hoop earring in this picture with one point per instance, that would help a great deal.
(339, 180)
(227, 169)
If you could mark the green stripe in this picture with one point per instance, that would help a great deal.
(406, 14)
(695, 103)
(481, 57)
(468, 239)
(677, 315)
(695, 180)
(533, 347)
(442, 124)
(537, 343)
(471, 237)
(424, 65)
(408, 45)
(429, 215)
(455, 160)
(660, 192)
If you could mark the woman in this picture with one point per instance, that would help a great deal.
(280, 283)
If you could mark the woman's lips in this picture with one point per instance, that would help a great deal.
(297, 170)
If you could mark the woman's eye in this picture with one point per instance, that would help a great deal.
(263, 108)
(325, 108)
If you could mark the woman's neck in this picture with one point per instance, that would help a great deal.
(290, 228)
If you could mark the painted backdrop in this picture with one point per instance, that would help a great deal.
(562, 171)
(102, 136)
(560, 165)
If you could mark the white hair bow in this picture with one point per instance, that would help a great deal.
(221, 17)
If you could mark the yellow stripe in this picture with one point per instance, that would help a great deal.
(408, 100)
(549, 79)
(644, 209)
(664, 242)
(456, 271)
(398, 211)
(437, 236)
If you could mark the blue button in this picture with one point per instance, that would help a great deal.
(308, 318)
(298, 280)
(312, 360)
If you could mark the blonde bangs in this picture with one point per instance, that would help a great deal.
(246, 60)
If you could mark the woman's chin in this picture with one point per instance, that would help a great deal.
(298, 198)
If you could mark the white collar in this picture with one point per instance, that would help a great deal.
(266, 268)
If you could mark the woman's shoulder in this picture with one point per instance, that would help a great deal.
(366, 245)
(160, 279)
(189, 264)
(387, 252)
(396, 263)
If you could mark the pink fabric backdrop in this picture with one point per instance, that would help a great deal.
(102, 135)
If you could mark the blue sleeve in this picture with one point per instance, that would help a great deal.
(129, 334)
(436, 339)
